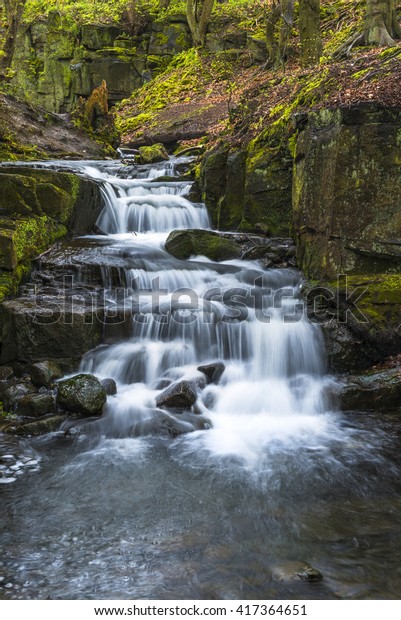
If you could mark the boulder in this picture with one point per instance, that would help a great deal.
(43, 374)
(55, 327)
(185, 243)
(181, 395)
(152, 154)
(212, 371)
(81, 394)
(35, 405)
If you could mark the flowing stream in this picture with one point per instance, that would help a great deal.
(264, 470)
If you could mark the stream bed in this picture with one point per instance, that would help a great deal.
(265, 471)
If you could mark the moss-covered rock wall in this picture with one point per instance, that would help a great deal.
(54, 64)
(37, 207)
(250, 187)
(346, 192)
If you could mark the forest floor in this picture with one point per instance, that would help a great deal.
(238, 106)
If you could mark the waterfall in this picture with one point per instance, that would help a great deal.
(196, 312)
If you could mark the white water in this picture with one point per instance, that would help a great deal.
(273, 388)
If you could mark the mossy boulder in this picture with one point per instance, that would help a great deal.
(82, 395)
(185, 243)
(152, 154)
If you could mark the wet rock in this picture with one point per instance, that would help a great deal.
(42, 426)
(57, 325)
(11, 393)
(180, 395)
(109, 386)
(371, 390)
(292, 571)
(35, 405)
(81, 394)
(213, 371)
(6, 372)
(185, 243)
(45, 373)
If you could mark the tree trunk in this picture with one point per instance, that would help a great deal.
(309, 28)
(198, 16)
(279, 21)
(13, 10)
(381, 24)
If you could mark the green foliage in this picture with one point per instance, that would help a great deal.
(6, 416)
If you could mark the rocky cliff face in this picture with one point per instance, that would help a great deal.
(346, 193)
(37, 207)
(54, 66)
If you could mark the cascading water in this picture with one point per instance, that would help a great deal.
(249, 319)
(263, 472)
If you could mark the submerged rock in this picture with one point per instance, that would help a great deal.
(180, 395)
(81, 394)
(292, 571)
(213, 371)
(45, 373)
